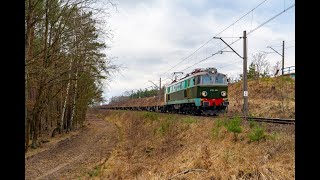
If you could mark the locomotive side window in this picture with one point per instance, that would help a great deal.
(198, 80)
(191, 82)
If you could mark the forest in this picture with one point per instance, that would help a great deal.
(66, 64)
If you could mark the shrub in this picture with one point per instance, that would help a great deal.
(257, 133)
(234, 126)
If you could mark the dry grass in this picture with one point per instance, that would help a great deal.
(51, 142)
(160, 146)
(269, 97)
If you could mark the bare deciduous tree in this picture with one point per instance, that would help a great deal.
(261, 64)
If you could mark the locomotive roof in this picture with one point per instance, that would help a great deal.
(196, 72)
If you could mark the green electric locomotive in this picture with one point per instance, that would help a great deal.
(203, 91)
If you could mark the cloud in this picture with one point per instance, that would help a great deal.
(152, 36)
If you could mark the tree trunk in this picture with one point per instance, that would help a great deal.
(29, 48)
(26, 124)
(35, 130)
(65, 100)
(36, 113)
(74, 100)
(27, 136)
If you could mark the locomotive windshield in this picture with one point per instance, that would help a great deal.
(221, 79)
(213, 79)
(207, 79)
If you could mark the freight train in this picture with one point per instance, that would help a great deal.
(204, 91)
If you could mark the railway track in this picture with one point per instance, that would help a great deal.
(272, 120)
(260, 119)
(268, 120)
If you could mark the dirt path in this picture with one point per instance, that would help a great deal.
(75, 157)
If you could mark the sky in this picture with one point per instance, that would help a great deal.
(154, 38)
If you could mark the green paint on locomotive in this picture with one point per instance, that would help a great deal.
(213, 91)
(196, 101)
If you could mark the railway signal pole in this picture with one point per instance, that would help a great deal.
(282, 55)
(160, 92)
(245, 79)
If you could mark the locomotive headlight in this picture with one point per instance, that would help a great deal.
(204, 93)
(223, 93)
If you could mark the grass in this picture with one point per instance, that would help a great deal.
(150, 116)
(252, 123)
(145, 155)
(171, 117)
(216, 131)
(96, 171)
(100, 116)
(265, 94)
(273, 136)
(164, 127)
(189, 120)
(221, 122)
